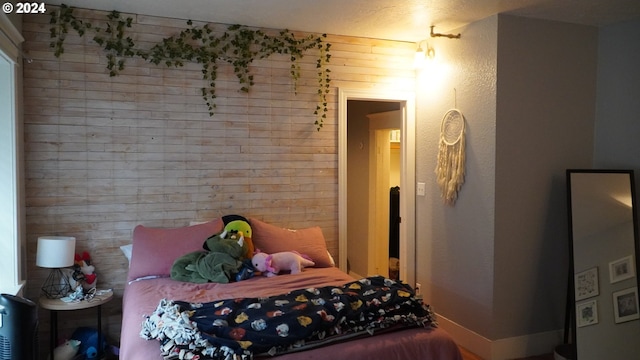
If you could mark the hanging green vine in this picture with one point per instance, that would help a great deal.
(239, 46)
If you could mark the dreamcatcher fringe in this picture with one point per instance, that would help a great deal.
(450, 168)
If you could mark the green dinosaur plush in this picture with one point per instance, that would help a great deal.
(221, 261)
(223, 242)
(241, 228)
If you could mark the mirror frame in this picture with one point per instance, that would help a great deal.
(571, 302)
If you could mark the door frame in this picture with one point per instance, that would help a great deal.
(407, 176)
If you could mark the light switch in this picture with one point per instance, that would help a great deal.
(421, 189)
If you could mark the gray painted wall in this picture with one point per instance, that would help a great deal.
(497, 262)
(617, 128)
(546, 107)
(455, 245)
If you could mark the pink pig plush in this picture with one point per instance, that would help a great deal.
(271, 265)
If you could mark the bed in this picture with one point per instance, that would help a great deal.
(149, 286)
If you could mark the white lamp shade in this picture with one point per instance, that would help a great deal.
(55, 251)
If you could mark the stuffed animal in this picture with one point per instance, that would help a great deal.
(84, 272)
(271, 265)
(233, 245)
(220, 263)
(241, 227)
(67, 350)
(89, 345)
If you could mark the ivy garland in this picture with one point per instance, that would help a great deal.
(239, 46)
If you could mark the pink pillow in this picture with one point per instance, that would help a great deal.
(155, 249)
(271, 239)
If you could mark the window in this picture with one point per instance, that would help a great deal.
(11, 242)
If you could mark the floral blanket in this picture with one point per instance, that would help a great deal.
(240, 328)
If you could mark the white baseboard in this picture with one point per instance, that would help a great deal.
(502, 349)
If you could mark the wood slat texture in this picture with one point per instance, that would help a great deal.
(104, 154)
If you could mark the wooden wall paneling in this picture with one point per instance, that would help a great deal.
(104, 154)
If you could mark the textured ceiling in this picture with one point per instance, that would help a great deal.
(404, 20)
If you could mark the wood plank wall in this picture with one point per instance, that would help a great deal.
(104, 154)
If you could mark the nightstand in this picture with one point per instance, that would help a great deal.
(55, 305)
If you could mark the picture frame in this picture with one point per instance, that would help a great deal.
(586, 284)
(622, 269)
(625, 305)
(587, 313)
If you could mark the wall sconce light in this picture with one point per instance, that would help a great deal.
(428, 52)
(450, 36)
(423, 54)
(56, 252)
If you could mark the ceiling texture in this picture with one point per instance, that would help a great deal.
(402, 20)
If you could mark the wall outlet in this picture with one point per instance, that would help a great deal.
(418, 288)
(421, 189)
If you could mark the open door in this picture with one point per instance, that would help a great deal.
(379, 164)
(384, 174)
(406, 101)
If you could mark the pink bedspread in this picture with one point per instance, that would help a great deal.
(142, 297)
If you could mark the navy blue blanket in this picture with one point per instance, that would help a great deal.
(278, 324)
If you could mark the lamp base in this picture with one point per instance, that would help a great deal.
(57, 285)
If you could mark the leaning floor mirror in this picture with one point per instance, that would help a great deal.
(603, 237)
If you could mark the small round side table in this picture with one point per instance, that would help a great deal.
(55, 305)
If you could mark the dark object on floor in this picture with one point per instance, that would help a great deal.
(394, 222)
(18, 328)
(565, 352)
(88, 338)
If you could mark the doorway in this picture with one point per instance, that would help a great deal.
(374, 170)
(359, 234)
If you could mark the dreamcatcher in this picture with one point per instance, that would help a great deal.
(451, 156)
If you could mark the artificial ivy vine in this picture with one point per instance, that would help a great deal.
(239, 46)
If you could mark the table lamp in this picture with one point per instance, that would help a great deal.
(56, 252)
